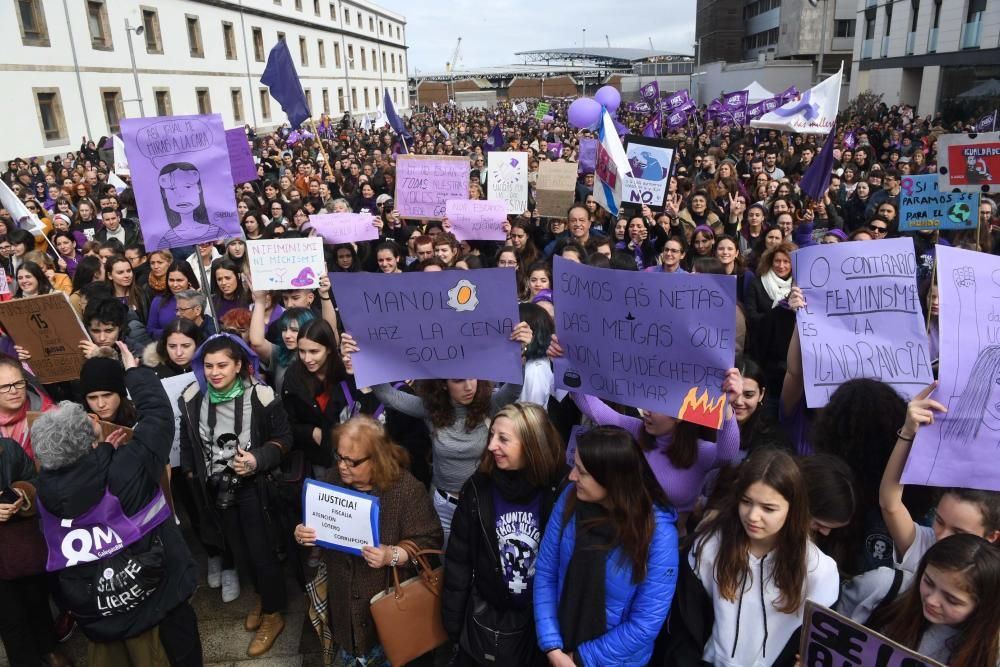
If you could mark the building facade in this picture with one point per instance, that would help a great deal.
(935, 55)
(67, 66)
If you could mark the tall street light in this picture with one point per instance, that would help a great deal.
(138, 30)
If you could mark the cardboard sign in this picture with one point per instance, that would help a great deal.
(477, 219)
(862, 318)
(277, 264)
(556, 188)
(646, 339)
(337, 228)
(443, 324)
(424, 183)
(651, 162)
(832, 640)
(240, 158)
(923, 206)
(107, 428)
(344, 519)
(49, 328)
(969, 162)
(507, 180)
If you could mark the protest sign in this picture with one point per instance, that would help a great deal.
(862, 318)
(960, 447)
(240, 158)
(477, 219)
(424, 184)
(832, 640)
(431, 325)
(175, 387)
(277, 264)
(507, 180)
(969, 162)
(651, 162)
(650, 340)
(542, 109)
(49, 328)
(923, 206)
(182, 180)
(555, 190)
(344, 519)
(336, 228)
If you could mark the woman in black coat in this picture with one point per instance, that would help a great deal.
(495, 536)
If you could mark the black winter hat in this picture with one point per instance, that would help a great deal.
(102, 374)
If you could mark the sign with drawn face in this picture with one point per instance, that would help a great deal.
(969, 162)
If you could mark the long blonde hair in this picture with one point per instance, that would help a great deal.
(540, 442)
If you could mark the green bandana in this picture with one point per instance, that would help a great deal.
(235, 391)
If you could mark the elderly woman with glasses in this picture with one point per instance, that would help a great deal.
(17, 397)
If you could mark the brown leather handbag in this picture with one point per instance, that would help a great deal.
(408, 614)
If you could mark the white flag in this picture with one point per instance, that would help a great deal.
(19, 213)
(610, 166)
(117, 182)
(366, 123)
(121, 162)
(814, 112)
(381, 120)
(444, 132)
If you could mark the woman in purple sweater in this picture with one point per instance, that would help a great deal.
(163, 309)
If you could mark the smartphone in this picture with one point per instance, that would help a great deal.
(9, 496)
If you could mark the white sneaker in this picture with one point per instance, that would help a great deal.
(215, 572)
(230, 585)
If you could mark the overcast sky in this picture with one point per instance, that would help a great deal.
(493, 30)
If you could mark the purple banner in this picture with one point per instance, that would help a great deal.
(240, 158)
(787, 95)
(770, 104)
(424, 184)
(477, 219)
(736, 100)
(960, 447)
(588, 156)
(676, 119)
(554, 150)
(638, 107)
(344, 227)
(650, 91)
(863, 318)
(679, 99)
(646, 339)
(443, 324)
(987, 123)
(755, 110)
(183, 185)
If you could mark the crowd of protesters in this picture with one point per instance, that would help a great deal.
(658, 542)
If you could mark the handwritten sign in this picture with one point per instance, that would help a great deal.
(970, 163)
(651, 161)
(862, 319)
(175, 387)
(240, 158)
(336, 228)
(477, 219)
(443, 324)
(424, 184)
(923, 206)
(960, 447)
(49, 328)
(556, 188)
(507, 180)
(277, 264)
(832, 640)
(650, 340)
(344, 519)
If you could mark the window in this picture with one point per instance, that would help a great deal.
(371, 24)
(309, 99)
(374, 61)
(350, 56)
(322, 52)
(204, 100)
(31, 18)
(392, 60)
(888, 18)
(395, 98)
(360, 24)
(354, 98)
(303, 52)
(281, 36)
(401, 68)
(397, 32)
(194, 37)
(347, 16)
(914, 14)
(976, 10)
(367, 101)
(298, 5)
(937, 14)
(229, 40)
(381, 27)
(236, 95)
(844, 28)
(326, 101)
(336, 54)
(162, 97)
(113, 111)
(333, 12)
(151, 30)
(50, 114)
(870, 23)
(97, 21)
(383, 62)
(364, 61)
(258, 45)
(265, 103)
(340, 99)
(316, 7)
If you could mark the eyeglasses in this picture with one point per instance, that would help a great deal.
(507, 263)
(671, 251)
(12, 387)
(877, 229)
(349, 462)
(181, 309)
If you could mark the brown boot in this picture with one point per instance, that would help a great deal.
(271, 626)
(253, 618)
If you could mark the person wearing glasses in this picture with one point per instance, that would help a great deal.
(17, 397)
(367, 460)
(191, 305)
(674, 251)
(879, 227)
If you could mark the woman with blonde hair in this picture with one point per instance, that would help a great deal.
(367, 460)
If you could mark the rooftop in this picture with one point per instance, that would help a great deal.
(602, 55)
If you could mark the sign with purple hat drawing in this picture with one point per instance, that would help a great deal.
(277, 264)
(182, 179)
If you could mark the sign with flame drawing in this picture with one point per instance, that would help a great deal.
(647, 339)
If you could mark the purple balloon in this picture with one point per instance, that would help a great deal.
(584, 113)
(609, 97)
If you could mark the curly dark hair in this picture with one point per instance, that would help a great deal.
(438, 403)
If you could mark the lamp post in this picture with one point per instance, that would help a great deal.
(138, 30)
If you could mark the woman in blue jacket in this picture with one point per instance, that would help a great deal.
(606, 570)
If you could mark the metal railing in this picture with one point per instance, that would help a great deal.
(866, 49)
(932, 40)
(971, 34)
(911, 41)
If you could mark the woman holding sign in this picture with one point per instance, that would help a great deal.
(369, 462)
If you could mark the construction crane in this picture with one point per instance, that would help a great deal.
(607, 41)
(450, 66)
(650, 43)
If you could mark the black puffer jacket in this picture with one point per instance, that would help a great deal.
(132, 474)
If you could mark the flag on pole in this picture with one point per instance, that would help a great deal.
(121, 162)
(987, 123)
(650, 91)
(654, 126)
(815, 112)
(394, 120)
(494, 140)
(119, 184)
(282, 80)
(611, 165)
(444, 132)
(366, 123)
(19, 213)
(816, 180)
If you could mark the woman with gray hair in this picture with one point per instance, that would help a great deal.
(120, 563)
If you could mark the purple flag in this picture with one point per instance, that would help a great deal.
(588, 156)
(787, 95)
(816, 180)
(653, 127)
(619, 128)
(494, 140)
(755, 110)
(678, 99)
(689, 105)
(240, 158)
(677, 119)
(770, 104)
(443, 324)
(715, 105)
(987, 123)
(555, 149)
(638, 107)
(650, 91)
(182, 179)
(736, 100)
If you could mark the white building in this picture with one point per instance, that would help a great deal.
(930, 54)
(66, 70)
